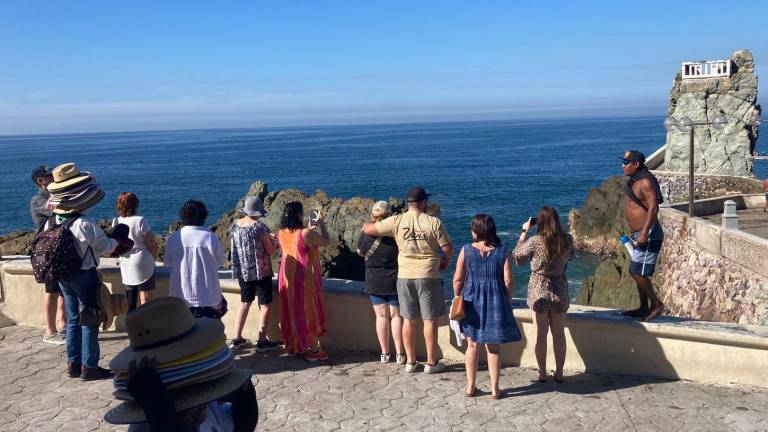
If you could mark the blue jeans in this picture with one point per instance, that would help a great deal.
(82, 342)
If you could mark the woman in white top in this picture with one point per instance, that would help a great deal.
(137, 266)
(194, 255)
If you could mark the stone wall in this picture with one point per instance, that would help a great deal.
(708, 273)
(674, 186)
(725, 151)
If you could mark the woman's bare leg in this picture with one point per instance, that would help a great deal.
(470, 364)
(557, 325)
(396, 325)
(542, 328)
(494, 367)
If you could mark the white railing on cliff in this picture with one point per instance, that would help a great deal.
(706, 69)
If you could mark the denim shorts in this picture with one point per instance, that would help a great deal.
(390, 299)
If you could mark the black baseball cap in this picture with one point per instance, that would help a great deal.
(633, 156)
(417, 194)
(40, 171)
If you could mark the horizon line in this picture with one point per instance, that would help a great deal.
(317, 125)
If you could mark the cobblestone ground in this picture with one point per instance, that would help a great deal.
(354, 392)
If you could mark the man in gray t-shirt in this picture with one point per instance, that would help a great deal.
(40, 212)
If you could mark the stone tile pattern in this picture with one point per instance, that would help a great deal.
(696, 283)
(353, 391)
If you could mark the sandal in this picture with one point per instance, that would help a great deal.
(655, 313)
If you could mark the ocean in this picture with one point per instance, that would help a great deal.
(506, 168)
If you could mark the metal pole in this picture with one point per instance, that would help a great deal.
(690, 173)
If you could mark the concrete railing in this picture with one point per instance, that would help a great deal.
(598, 340)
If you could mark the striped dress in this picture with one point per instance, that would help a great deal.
(300, 286)
(488, 315)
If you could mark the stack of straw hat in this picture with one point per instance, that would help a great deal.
(73, 191)
(190, 354)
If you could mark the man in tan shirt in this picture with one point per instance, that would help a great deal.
(424, 251)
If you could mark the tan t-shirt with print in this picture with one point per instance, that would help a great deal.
(419, 238)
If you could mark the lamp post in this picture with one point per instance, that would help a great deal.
(685, 124)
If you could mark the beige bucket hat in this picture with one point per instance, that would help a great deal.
(165, 329)
(67, 175)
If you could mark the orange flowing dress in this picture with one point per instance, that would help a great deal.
(300, 286)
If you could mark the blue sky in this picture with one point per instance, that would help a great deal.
(106, 66)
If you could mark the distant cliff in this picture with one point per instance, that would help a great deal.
(725, 151)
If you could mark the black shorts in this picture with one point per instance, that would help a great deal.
(52, 288)
(147, 285)
(261, 287)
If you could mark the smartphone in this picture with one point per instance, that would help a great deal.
(533, 221)
(313, 217)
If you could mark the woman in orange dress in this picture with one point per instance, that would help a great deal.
(300, 283)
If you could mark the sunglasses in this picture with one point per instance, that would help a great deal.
(625, 162)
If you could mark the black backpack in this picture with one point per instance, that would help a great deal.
(54, 254)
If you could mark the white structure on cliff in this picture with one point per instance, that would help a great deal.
(706, 69)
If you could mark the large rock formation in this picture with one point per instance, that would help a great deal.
(344, 218)
(725, 151)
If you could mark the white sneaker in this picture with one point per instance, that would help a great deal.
(411, 367)
(401, 359)
(385, 358)
(54, 339)
(435, 368)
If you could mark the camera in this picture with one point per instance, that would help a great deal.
(533, 221)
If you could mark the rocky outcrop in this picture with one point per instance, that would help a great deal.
(611, 285)
(343, 219)
(725, 151)
(596, 226)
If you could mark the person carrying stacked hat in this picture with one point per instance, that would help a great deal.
(74, 192)
(177, 374)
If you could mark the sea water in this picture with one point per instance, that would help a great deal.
(506, 168)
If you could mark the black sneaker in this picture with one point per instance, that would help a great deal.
(236, 344)
(97, 373)
(266, 345)
(73, 370)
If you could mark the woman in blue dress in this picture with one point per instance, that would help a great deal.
(484, 279)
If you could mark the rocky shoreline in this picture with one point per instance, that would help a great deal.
(343, 220)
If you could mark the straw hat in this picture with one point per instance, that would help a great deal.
(66, 175)
(191, 396)
(80, 206)
(165, 329)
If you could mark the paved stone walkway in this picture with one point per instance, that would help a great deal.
(354, 392)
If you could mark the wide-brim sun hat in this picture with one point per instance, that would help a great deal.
(254, 206)
(67, 175)
(165, 330)
(80, 207)
(184, 398)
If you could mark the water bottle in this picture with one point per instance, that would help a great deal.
(628, 243)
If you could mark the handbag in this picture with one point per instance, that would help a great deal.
(457, 304)
(457, 308)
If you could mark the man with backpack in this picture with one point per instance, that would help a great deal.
(40, 210)
(68, 251)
